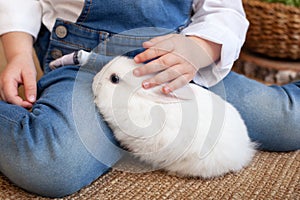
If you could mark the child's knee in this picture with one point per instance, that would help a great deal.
(55, 175)
(271, 128)
(48, 160)
(283, 136)
(272, 120)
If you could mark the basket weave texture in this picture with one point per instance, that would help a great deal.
(274, 29)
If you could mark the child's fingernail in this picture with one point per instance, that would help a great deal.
(136, 59)
(31, 98)
(146, 85)
(148, 43)
(166, 90)
(136, 72)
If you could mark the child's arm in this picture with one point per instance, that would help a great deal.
(20, 69)
(178, 58)
(19, 15)
(220, 28)
(19, 23)
(222, 22)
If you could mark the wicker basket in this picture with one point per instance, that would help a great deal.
(274, 29)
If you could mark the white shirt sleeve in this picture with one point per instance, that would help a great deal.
(20, 15)
(222, 22)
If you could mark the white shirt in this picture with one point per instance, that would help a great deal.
(220, 21)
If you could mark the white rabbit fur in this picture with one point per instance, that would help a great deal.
(190, 133)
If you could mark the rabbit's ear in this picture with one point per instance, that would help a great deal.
(155, 94)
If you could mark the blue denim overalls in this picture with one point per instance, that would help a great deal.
(63, 145)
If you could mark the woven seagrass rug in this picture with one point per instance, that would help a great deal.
(270, 176)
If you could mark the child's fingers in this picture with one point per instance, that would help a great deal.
(150, 54)
(155, 48)
(166, 76)
(157, 65)
(156, 40)
(177, 83)
(11, 95)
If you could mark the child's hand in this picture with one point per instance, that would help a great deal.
(20, 70)
(176, 58)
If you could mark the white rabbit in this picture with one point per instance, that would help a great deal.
(191, 132)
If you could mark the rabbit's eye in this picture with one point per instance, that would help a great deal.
(114, 78)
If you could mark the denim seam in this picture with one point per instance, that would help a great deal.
(80, 27)
(85, 12)
(9, 120)
(104, 41)
(107, 33)
(71, 44)
(130, 37)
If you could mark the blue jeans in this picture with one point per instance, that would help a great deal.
(271, 113)
(41, 151)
